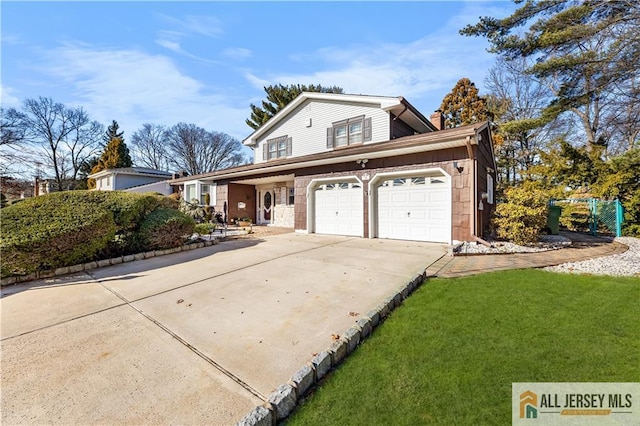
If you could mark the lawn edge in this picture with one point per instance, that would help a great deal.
(288, 396)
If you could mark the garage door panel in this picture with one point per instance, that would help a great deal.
(415, 209)
(339, 211)
(438, 196)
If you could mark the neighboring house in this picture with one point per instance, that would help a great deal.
(130, 177)
(367, 166)
(162, 187)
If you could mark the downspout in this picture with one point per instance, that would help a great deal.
(474, 195)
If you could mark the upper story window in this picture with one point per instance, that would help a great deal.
(349, 132)
(279, 147)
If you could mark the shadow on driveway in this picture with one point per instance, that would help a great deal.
(135, 269)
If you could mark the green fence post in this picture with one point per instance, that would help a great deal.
(619, 218)
(594, 215)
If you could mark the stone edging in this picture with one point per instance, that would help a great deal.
(283, 401)
(101, 263)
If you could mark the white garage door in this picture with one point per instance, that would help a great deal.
(415, 208)
(338, 209)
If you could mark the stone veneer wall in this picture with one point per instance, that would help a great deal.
(283, 216)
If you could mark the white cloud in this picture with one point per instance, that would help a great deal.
(237, 53)
(208, 26)
(258, 83)
(171, 45)
(425, 69)
(7, 99)
(134, 87)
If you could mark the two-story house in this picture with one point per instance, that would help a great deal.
(367, 166)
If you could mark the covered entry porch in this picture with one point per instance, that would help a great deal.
(265, 200)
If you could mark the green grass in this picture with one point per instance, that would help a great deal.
(449, 354)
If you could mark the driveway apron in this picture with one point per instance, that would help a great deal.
(198, 337)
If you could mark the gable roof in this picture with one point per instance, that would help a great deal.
(397, 105)
(138, 171)
(433, 141)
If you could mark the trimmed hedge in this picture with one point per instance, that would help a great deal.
(49, 232)
(165, 228)
(128, 209)
(67, 228)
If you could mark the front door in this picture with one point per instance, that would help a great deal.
(265, 206)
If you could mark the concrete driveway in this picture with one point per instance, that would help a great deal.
(197, 337)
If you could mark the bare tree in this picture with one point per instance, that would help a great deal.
(149, 148)
(11, 134)
(14, 155)
(622, 119)
(517, 100)
(196, 150)
(63, 137)
(81, 145)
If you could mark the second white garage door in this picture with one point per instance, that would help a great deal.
(415, 208)
(338, 209)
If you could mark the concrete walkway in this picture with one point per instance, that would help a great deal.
(197, 337)
(583, 247)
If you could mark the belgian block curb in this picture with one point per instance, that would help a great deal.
(283, 401)
(101, 263)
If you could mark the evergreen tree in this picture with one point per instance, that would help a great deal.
(589, 48)
(278, 97)
(115, 156)
(112, 132)
(463, 105)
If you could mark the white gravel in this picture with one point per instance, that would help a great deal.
(547, 242)
(624, 264)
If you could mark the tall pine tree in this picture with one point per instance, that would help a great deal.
(112, 132)
(115, 155)
(590, 50)
(278, 96)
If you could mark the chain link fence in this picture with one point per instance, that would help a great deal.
(591, 215)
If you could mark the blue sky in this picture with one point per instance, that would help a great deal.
(205, 62)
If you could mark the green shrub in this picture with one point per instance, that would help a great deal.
(631, 224)
(164, 228)
(129, 209)
(204, 228)
(49, 232)
(522, 215)
(168, 201)
(575, 216)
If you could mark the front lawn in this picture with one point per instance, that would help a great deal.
(449, 354)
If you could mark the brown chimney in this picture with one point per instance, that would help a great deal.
(437, 119)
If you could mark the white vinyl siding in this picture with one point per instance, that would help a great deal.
(307, 126)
